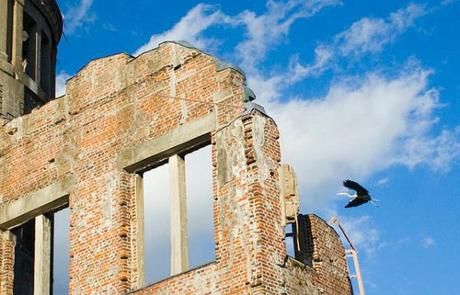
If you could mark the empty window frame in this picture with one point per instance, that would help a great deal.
(41, 254)
(178, 215)
(45, 64)
(29, 46)
(31, 101)
(60, 252)
(24, 256)
(198, 171)
(157, 244)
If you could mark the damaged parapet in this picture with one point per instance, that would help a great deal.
(248, 96)
(320, 248)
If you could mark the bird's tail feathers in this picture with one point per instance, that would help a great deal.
(374, 203)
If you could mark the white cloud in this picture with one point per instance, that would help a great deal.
(77, 16)
(367, 35)
(361, 126)
(323, 55)
(383, 181)
(440, 152)
(428, 242)
(262, 31)
(190, 28)
(61, 80)
(267, 30)
(371, 34)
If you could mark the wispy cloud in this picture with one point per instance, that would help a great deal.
(367, 35)
(190, 28)
(372, 34)
(77, 16)
(363, 233)
(268, 29)
(262, 31)
(366, 236)
(383, 181)
(428, 242)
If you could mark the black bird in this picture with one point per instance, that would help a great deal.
(360, 197)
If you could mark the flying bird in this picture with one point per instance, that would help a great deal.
(360, 197)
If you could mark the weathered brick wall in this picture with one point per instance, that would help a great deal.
(326, 272)
(118, 102)
(299, 279)
(33, 152)
(6, 264)
(201, 280)
(249, 240)
(327, 257)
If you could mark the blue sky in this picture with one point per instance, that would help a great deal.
(367, 90)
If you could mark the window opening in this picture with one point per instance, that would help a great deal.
(29, 46)
(198, 168)
(45, 60)
(41, 254)
(31, 101)
(178, 215)
(9, 29)
(60, 246)
(289, 240)
(24, 254)
(157, 247)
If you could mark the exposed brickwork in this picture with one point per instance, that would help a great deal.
(300, 279)
(327, 257)
(118, 102)
(6, 265)
(201, 280)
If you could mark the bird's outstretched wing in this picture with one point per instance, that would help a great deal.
(355, 186)
(356, 202)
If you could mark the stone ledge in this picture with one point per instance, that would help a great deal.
(39, 202)
(186, 138)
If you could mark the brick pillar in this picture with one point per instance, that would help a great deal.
(6, 262)
(249, 236)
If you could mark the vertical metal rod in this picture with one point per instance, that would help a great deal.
(354, 255)
(359, 278)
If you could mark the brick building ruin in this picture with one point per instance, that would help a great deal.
(120, 117)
